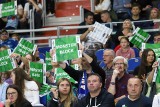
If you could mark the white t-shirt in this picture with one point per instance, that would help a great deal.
(26, 8)
(105, 5)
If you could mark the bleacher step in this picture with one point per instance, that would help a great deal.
(54, 21)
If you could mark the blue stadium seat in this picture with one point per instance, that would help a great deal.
(136, 51)
(99, 55)
(102, 64)
(133, 63)
(42, 56)
(44, 49)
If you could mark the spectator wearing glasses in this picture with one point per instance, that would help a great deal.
(108, 56)
(6, 41)
(117, 83)
(14, 97)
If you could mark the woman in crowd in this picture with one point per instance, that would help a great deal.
(154, 14)
(63, 95)
(14, 97)
(125, 50)
(125, 31)
(28, 87)
(147, 60)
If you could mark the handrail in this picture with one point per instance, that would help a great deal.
(72, 27)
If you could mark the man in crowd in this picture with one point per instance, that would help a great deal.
(156, 38)
(117, 83)
(108, 56)
(134, 98)
(97, 96)
(6, 41)
(88, 20)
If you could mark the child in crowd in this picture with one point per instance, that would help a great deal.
(126, 51)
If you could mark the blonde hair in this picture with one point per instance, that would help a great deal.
(70, 98)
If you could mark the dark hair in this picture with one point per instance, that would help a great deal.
(157, 34)
(98, 2)
(136, 5)
(20, 76)
(3, 30)
(88, 14)
(144, 63)
(95, 74)
(20, 97)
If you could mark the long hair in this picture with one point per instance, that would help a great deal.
(70, 98)
(144, 63)
(20, 97)
(20, 76)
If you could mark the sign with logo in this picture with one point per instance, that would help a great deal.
(6, 63)
(66, 48)
(25, 47)
(37, 72)
(8, 9)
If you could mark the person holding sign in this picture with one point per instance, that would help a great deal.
(125, 50)
(126, 31)
(63, 95)
(88, 66)
(15, 97)
(28, 87)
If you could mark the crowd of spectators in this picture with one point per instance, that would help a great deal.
(107, 86)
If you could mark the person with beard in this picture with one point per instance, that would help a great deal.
(97, 96)
(117, 83)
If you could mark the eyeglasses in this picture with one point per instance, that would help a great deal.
(119, 63)
(11, 94)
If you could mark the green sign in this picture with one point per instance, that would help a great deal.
(37, 72)
(25, 47)
(8, 9)
(66, 48)
(48, 60)
(139, 37)
(60, 73)
(6, 63)
(155, 47)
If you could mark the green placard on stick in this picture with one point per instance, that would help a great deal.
(154, 47)
(6, 63)
(66, 48)
(25, 47)
(37, 71)
(139, 37)
(48, 60)
(8, 9)
(60, 73)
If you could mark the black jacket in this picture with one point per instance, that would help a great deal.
(77, 75)
(104, 99)
(54, 103)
